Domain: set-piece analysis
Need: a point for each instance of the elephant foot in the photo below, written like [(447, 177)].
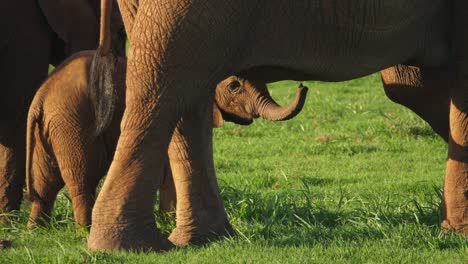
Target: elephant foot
[(8, 212), (34, 223), (82, 207), (448, 227), (455, 199), (39, 215), (113, 237), (4, 220), (189, 235)]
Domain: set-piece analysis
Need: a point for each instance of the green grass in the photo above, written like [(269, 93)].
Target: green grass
[(354, 178)]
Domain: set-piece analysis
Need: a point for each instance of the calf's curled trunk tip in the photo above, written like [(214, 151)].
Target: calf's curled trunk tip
[(273, 112)]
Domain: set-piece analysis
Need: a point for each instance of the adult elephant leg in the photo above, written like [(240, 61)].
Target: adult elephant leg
[(200, 211), (11, 179), (455, 196), (425, 91), (167, 196), (128, 10), (22, 69), (455, 199), (12, 161), (123, 216)]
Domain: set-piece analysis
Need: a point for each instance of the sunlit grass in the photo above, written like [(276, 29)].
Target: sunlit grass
[(354, 178)]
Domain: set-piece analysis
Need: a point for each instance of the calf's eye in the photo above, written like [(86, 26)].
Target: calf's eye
[(234, 85)]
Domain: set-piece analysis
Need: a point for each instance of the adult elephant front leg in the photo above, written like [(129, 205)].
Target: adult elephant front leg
[(200, 211), (123, 216), (455, 194), (455, 199)]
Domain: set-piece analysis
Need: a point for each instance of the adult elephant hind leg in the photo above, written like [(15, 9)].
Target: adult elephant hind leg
[(200, 211)]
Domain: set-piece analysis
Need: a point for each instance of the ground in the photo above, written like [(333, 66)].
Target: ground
[(353, 178)]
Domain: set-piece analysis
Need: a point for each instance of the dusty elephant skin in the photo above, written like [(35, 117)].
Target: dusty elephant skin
[(181, 48), (36, 34)]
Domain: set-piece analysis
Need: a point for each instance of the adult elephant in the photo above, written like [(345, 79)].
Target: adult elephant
[(34, 35), (182, 48)]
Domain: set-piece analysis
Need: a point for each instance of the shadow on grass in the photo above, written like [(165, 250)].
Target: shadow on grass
[(318, 181), (422, 132), (299, 219)]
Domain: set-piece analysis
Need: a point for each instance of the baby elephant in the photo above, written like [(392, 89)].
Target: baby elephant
[(64, 148)]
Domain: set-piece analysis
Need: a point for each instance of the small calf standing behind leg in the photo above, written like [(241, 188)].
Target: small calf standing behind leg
[(62, 145)]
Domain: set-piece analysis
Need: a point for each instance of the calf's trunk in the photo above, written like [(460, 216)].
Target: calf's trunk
[(270, 110)]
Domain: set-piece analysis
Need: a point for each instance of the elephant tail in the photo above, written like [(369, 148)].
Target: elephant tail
[(101, 82), (34, 115), (105, 30)]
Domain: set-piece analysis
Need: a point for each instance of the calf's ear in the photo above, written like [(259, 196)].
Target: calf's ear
[(218, 120)]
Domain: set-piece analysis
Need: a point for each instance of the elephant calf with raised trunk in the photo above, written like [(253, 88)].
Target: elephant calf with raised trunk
[(63, 146)]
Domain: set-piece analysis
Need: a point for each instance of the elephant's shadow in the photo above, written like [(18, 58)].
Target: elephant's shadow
[(301, 218)]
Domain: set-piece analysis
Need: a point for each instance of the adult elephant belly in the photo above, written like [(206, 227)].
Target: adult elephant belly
[(341, 40)]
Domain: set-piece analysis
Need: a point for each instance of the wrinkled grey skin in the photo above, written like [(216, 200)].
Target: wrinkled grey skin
[(201, 42)]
